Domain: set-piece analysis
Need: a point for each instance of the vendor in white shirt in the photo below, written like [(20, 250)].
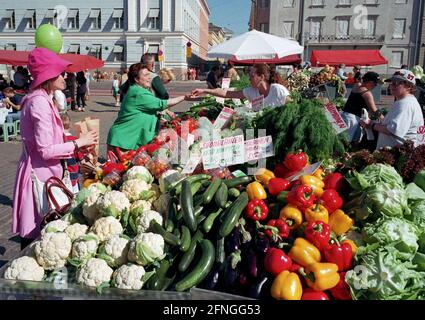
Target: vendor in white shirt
[(262, 84), (405, 116)]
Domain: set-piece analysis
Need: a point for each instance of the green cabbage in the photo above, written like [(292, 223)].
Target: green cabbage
[(373, 174)]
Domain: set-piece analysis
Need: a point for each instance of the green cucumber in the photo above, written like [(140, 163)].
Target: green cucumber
[(188, 256), (209, 221), (186, 203), (198, 210), (233, 214), (212, 189), (202, 268), (185, 238), (220, 254), (169, 238), (234, 193), (170, 225), (195, 187), (221, 196), (191, 179), (156, 281), (241, 181), (198, 200)]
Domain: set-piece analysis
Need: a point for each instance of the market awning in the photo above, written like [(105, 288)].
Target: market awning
[(50, 14), (74, 48), (29, 14), (8, 15), (117, 13), (94, 13), (153, 13), (72, 13), (320, 58), (118, 49), (292, 59)]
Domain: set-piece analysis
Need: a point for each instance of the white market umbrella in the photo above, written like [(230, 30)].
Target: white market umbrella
[(255, 45)]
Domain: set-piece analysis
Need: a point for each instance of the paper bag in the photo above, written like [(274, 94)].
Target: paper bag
[(89, 124)]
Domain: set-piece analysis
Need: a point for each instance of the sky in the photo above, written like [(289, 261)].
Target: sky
[(232, 14)]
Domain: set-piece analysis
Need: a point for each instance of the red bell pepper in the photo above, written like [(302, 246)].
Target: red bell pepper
[(277, 229), (257, 210), (277, 261), (152, 147), (278, 185), (334, 181), (111, 166), (310, 294), (331, 200), (318, 233), (296, 161), (341, 291), (339, 254), (301, 196), (280, 170)]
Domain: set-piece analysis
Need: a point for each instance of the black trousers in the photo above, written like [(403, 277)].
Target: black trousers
[(81, 99), (25, 242)]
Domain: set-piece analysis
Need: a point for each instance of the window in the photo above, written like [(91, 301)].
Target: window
[(96, 23), (118, 53), (74, 48), (30, 16), (317, 3), (50, 16), (264, 3), (73, 19), (370, 31), (399, 28), (370, 2), (400, 1), (11, 46), (288, 3), (118, 17), (264, 27), (96, 51), (288, 29), (342, 28), (397, 59), (153, 19), (344, 2), (10, 20), (315, 28)]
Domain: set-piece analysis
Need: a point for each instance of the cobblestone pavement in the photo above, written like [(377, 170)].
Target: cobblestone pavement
[(100, 106)]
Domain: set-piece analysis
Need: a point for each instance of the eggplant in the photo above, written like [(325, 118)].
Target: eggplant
[(251, 265), (211, 281), (261, 288), (231, 270), (262, 243), (233, 242)]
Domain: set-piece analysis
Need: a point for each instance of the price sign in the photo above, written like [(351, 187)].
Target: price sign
[(335, 118), (223, 153), (260, 148), (191, 165), (421, 135), (225, 84), (258, 103), (224, 118)]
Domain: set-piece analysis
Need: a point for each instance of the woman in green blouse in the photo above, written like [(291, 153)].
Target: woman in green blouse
[(137, 122)]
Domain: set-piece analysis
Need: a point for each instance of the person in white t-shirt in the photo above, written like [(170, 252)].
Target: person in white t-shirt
[(405, 117), (262, 84), (60, 100)]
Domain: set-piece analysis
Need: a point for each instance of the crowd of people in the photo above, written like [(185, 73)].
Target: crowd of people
[(141, 96)]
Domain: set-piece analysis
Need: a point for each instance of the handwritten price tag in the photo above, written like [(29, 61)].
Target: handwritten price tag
[(335, 118)]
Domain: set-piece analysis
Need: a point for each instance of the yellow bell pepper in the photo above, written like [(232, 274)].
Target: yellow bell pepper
[(315, 183), (317, 212), (287, 286), (88, 182), (264, 176), (256, 191), (319, 173), (304, 253), (322, 276), (340, 222), (352, 244), (292, 215)]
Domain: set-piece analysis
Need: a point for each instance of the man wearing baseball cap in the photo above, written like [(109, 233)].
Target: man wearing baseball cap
[(405, 116)]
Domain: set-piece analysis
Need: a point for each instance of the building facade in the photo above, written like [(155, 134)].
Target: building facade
[(392, 26), (116, 31)]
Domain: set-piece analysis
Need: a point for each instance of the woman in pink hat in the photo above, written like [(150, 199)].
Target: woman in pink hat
[(43, 140)]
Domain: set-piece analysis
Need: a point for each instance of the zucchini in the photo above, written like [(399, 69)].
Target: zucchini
[(209, 221), (185, 238), (233, 214), (156, 281), (169, 238), (201, 218), (191, 179), (234, 193), (188, 256), (195, 187), (170, 225), (198, 210), (241, 181), (186, 203), (220, 254), (198, 200), (221, 196), (211, 190), (202, 268)]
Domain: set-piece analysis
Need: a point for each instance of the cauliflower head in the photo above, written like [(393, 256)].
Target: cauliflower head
[(139, 206), (106, 228), (52, 250), (24, 268), (90, 210), (138, 172), (113, 203), (114, 251), (55, 226), (146, 248), (129, 277), (136, 189), (76, 230), (84, 248), (156, 194), (94, 272), (143, 221)]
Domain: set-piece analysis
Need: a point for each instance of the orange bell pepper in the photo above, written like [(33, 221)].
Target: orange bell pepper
[(287, 286), (256, 191), (304, 253), (322, 276), (340, 222), (264, 176), (292, 215)]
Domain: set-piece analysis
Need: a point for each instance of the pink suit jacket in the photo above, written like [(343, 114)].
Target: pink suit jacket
[(43, 140)]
